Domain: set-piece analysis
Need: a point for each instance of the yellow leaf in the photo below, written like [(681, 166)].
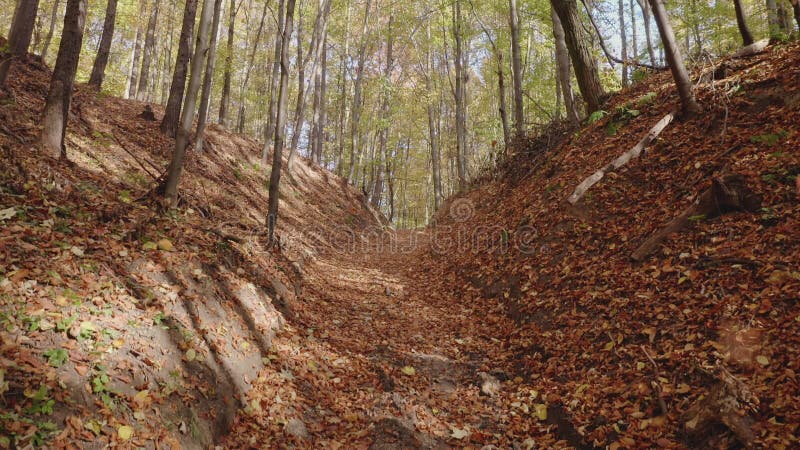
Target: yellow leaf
[(125, 432), (408, 370), (541, 411), (763, 360), (191, 354), (165, 245)]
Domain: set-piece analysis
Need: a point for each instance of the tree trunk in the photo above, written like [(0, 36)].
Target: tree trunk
[(501, 93), (461, 114), (142, 92), (796, 9), (133, 80), (274, 81), (280, 124), (564, 75), (377, 191), (172, 112), (580, 52), (623, 42), (19, 38), (56, 110), (49, 37), (249, 68), (225, 100), (343, 97), (516, 68), (634, 37), (100, 62), (356, 110), (679, 73), (189, 105), (319, 114), (741, 22), (772, 19), (645, 7), (205, 97)]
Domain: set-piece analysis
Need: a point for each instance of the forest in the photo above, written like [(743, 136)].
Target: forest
[(379, 224)]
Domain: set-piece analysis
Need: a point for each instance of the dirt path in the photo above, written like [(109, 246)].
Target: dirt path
[(377, 357)]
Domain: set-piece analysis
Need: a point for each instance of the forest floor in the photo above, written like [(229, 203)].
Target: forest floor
[(516, 321)]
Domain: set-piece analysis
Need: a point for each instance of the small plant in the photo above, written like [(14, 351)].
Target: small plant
[(646, 99), (56, 357), (770, 139), (595, 116), (42, 403)]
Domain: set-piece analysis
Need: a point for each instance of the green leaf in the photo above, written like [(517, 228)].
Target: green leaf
[(56, 357), (597, 115)]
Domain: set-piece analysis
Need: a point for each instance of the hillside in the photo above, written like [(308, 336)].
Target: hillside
[(517, 321)]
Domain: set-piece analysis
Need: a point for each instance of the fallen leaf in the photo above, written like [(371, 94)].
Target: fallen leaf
[(125, 432), (458, 433), (408, 370)]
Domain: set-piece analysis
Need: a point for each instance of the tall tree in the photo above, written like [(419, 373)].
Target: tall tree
[(19, 38), (280, 124), (49, 37), (189, 104), (355, 119), (645, 7), (100, 62), (172, 112), (741, 22), (248, 69), (796, 9), (133, 79), (342, 125), (205, 97), (274, 81), (460, 95), (377, 190), (225, 100), (580, 52), (516, 68), (143, 92), (623, 43), (59, 96), (674, 58), (563, 69), (316, 138)]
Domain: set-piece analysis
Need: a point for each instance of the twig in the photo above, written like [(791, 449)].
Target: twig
[(654, 382), (122, 146)]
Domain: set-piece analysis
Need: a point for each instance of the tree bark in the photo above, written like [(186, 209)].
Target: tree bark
[(49, 37), (280, 124), (19, 37), (564, 75), (459, 94), (501, 93), (189, 105), (143, 93), (623, 42), (582, 60), (676, 65), (741, 22), (318, 127), (225, 100), (56, 110), (274, 81), (249, 68), (172, 112), (645, 7), (205, 97), (342, 126), (377, 191), (516, 68), (355, 118), (100, 62), (133, 80)]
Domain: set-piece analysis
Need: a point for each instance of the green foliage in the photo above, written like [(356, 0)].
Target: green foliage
[(770, 139), (646, 99), (596, 116), (56, 357)]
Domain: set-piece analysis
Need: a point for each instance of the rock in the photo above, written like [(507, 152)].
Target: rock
[(296, 428), (489, 385)]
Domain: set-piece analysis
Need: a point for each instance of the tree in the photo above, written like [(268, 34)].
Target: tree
[(563, 70), (516, 68), (377, 190), (133, 78), (205, 97), (747, 38), (59, 96), (582, 60), (645, 7), (674, 58), (225, 100), (142, 92), (19, 38), (172, 112), (49, 37), (274, 80), (460, 95), (100, 62), (248, 69), (280, 125), (796, 9), (357, 101), (623, 42), (189, 105)]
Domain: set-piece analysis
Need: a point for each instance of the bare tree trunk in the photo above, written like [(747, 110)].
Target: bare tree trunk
[(205, 97), (274, 82), (100, 62), (133, 80), (143, 93), (564, 75), (280, 124), (796, 9), (318, 125), (647, 34), (623, 42), (249, 68), (772, 19), (49, 37), (377, 191), (225, 100), (501, 93), (676, 65), (741, 22), (516, 69), (582, 59), (634, 37), (356, 111), (461, 114), (19, 38), (343, 97), (172, 112), (56, 109), (189, 105)]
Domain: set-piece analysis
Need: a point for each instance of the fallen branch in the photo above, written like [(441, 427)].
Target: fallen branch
[(654, 382), (752, 49), (623, 159), (727, 193)]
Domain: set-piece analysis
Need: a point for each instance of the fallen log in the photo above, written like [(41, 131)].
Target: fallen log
[(621, 160), (752, 49), (726, 404), (727, 193)]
